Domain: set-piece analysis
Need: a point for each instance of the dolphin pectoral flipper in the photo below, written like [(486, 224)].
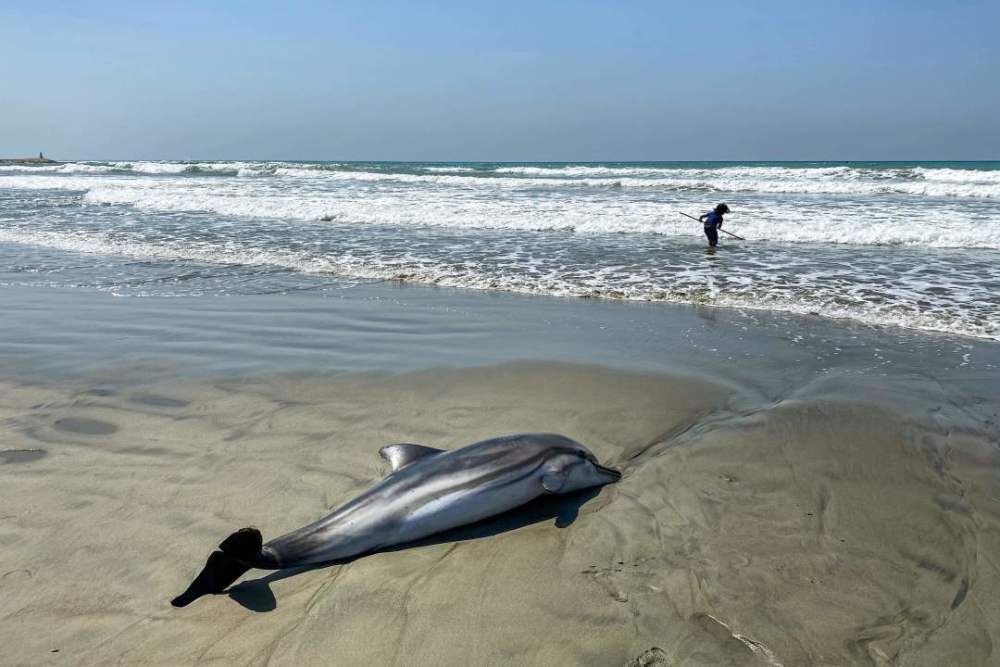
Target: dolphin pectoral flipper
[(237, 554), (401, 455), (552, 481)]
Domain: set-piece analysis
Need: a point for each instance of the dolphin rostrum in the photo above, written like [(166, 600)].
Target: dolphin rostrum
[(428, 491)]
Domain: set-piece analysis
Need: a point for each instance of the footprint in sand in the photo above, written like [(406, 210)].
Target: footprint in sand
[(21, 455), (85, 426), (158, 401)]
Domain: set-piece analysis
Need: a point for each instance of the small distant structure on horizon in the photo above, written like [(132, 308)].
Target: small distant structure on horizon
[(41, 159)]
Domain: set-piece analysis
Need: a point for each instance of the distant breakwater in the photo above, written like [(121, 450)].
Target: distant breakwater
[(16, 161)]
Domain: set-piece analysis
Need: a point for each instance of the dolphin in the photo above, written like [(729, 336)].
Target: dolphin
[(428, 491)]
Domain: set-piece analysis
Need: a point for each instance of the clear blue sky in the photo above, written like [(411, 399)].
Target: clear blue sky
[(501, 81)]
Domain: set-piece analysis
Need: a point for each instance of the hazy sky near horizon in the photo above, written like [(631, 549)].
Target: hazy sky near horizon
[(501, 81)]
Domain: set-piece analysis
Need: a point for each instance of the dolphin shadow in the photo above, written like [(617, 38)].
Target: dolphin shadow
[(256, 594)]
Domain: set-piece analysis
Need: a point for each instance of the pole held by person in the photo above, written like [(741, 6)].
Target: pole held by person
[(713, 224)]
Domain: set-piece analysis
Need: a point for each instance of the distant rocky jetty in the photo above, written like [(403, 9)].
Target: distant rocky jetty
[(41, 159)]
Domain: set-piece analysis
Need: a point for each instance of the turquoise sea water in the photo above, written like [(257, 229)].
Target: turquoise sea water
[(911, 244)]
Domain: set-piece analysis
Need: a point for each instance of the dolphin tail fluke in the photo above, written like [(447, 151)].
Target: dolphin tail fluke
[(238, 553)]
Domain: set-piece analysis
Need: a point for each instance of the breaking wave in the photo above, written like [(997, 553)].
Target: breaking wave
[(909, 245), (916, 181)]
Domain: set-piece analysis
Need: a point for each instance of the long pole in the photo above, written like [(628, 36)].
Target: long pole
[(720, 228)]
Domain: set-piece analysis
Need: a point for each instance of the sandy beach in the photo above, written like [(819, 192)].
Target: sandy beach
[(510, 335), (833, 512)]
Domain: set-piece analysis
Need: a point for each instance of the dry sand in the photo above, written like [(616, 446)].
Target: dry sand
[(812, 531)]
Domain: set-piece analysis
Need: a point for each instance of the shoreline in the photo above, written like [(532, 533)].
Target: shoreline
[(56, 321)]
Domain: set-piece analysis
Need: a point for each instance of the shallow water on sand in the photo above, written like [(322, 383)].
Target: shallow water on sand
[(60, 333)]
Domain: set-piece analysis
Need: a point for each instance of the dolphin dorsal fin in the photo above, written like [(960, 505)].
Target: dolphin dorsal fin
[(401, 455)]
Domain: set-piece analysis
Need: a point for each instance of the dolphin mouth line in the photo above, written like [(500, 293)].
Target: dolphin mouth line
[(611, 472)]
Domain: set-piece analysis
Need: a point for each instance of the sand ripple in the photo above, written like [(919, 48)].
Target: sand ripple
[(809, 531)]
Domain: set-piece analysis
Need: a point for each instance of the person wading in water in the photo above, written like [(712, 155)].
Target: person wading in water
[(713, 223)]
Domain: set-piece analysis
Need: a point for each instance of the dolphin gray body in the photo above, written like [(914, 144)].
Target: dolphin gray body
[(428, 491)]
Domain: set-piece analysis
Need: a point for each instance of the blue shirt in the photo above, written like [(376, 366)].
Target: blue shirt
[(712, 220)]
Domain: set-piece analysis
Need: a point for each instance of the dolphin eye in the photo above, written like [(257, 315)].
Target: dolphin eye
[(581, 454)]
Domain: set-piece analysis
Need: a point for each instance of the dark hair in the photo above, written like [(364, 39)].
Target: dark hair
[(722, 208)]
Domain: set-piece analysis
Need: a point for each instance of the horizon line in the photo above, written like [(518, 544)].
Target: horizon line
[(445, 161)]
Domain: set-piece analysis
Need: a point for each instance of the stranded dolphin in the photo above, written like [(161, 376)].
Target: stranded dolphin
[(428, 491)]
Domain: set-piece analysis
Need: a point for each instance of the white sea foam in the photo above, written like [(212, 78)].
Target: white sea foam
[(829, 180), (875, 222), (963, 176), (583, 170), (139, 167), (449, 170), (68, 168), (948, 304), (194, 168), (593, 230), (782, 223), (103, 244)]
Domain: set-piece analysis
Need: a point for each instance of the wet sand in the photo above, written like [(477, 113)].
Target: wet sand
[(807, 531), (795, 491)]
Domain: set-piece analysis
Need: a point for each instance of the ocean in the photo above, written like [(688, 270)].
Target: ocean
[(191, 347), (914, 245)]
